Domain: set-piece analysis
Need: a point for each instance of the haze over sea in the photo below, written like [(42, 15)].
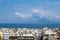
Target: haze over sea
[(29, 25)]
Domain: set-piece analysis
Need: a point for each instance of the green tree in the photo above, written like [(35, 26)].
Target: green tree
[(58, 32)]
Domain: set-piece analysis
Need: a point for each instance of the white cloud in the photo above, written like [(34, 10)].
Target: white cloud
[(35, 10), (46, 14), (40, 13), (23, 15), (57, 16)]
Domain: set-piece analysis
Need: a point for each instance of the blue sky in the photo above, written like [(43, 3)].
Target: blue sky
[(30, 11)]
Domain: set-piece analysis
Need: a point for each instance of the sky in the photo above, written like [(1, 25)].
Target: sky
[(30, 11)]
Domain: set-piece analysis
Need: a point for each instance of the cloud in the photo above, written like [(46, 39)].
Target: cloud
[(23, 15), (46, 12), (35, 10), (40, 13), (49, 15)]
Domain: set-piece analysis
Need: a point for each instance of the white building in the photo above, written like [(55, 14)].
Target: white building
[(26, 37), (50, 34)]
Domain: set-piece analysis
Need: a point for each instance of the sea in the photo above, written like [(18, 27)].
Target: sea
[(29, 25)]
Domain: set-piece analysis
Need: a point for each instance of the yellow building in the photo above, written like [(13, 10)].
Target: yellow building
[(1, 36)]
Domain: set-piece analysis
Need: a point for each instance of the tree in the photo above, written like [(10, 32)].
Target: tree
[(46, 39), (58, 32)]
